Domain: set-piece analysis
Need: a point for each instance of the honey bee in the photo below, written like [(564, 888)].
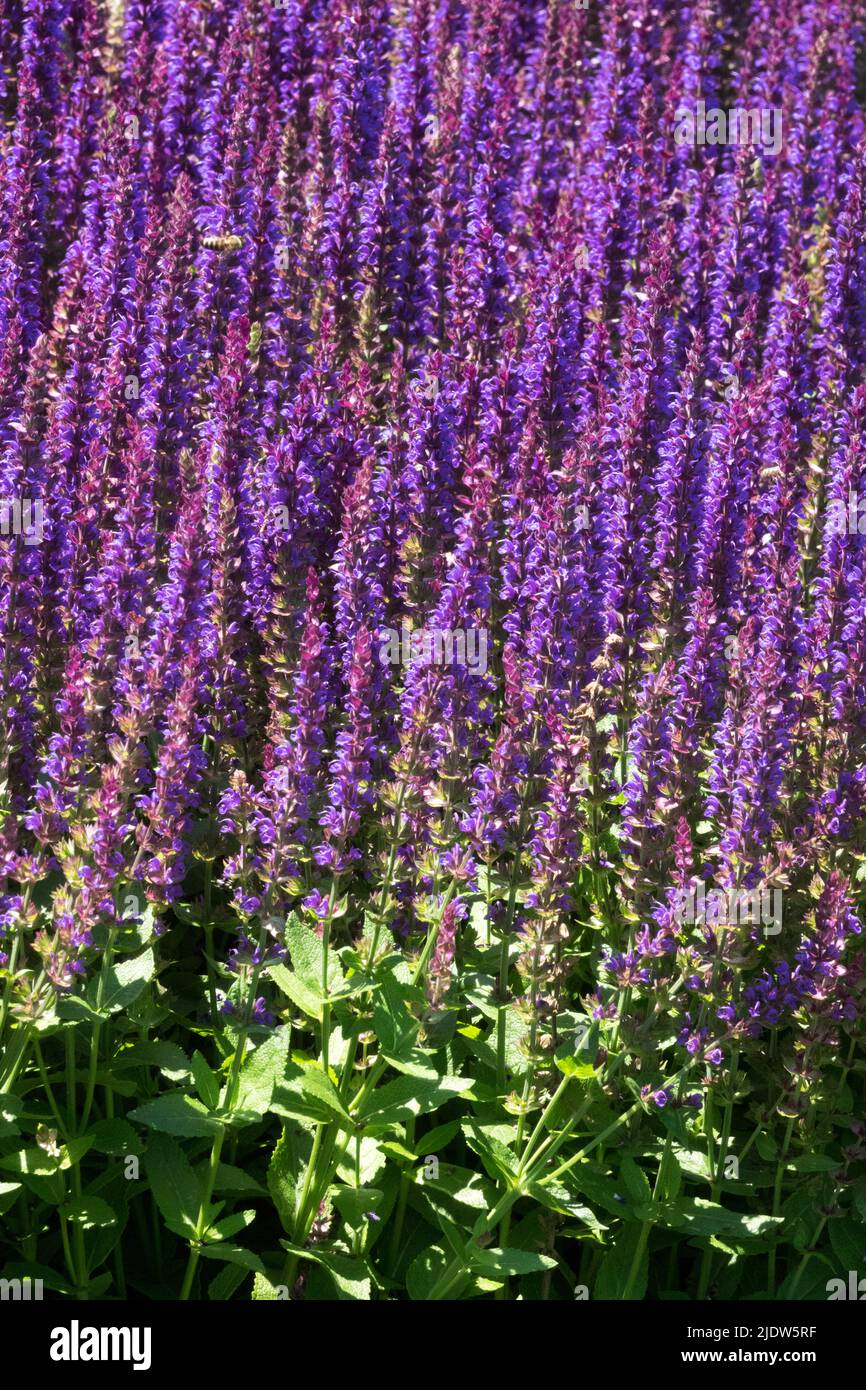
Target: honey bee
[(222, 243), (47, 1140)]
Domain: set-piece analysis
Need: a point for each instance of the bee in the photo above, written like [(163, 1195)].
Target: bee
[(222, 243), (47, 1140)]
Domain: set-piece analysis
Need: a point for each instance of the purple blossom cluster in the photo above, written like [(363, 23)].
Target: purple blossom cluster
[(321, 319)]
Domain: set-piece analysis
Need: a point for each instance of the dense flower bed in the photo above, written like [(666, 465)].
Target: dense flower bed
[(433, 648)]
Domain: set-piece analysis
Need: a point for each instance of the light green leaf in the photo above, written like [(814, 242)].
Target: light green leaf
[(263, 1071), (166, 1056), (283, 1176), (206, 1083), (348, 1273), (175, 1187), (635, 1181), (426, 1270), (122, 984), (498, 1159), (307, 951), (232, 1179), (701, 1217), (231, 1225), (233, 1254), (496, 1261), (266, 1292), (176, 1113), (392, 1023), (407, 1095), (307, 998), (320, 1090), (353, 1203)]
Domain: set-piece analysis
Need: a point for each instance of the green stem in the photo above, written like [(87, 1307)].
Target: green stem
[(717, 1170), (17, 1052), (326, 1005), (646, 1227), (97, 1029), (46, 1085), (544, 1120), (70, 1080), (67, 1252), (201, 1221), (314, 1183), (798, 1273), (209, 941), (78, 1238), (777, 1203), (402, 1197), (203, 1217)]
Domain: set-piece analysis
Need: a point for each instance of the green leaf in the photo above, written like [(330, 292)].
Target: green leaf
[(578, 1059), (349, 1274), (89, 1212), (166, 1056), (136, 933), (266, 1292), (307, 999), (497, 1158), (176, 1113), (393, 1149), (122, 983), (73, 1151), (814, 1163), (115, 1137), (767, 1147), (624, 1270), (232, 1179), (283, 1177), (307, 952), (601, 1189), (426, 1270), (354, 1203), (436, 1138), (320, 1091), (578, 1071), (516, 1061), (33, 1160), (58, 1283), (501, 1262), (231, 1225), (263, 1071), (393, 1025), (456, 1194), (206, 1083), (635, 1181), (408, 1095), (704, 1218), (809, 1283), (8, 1195), (557, 1197), (233, 1254), (227, 1282), (670, 1178), (9, 1108), (848, 1239), (74, 1008), (175, 1187)]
